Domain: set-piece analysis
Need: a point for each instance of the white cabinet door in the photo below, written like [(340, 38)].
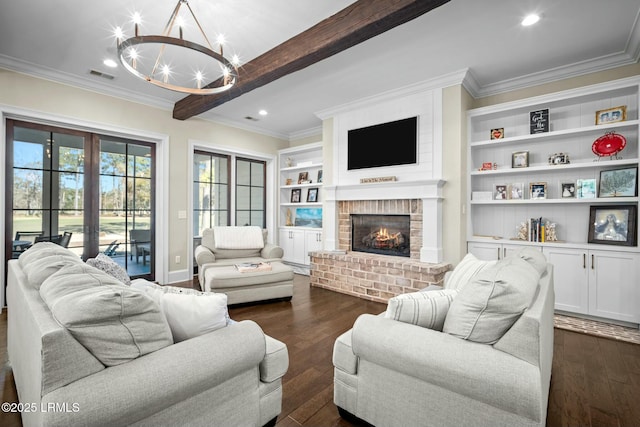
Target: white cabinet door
[(292, 243), (485, 251), (313, 240), (570, 279), (613, 280)]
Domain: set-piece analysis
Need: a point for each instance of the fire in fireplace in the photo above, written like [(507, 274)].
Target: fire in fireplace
[(381, 234)]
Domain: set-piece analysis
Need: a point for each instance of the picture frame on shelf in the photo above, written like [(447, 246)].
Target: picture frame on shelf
[(319, 180), (295, 195), (537, 190), (559, 159), (520, 159), (497, 133), (618, 182), (288, 181), (303, 177), (611, 115), (500, 192), (539, 121), (613, 225), (312, 195), (515, 191), (308, 217), (586, 188), (568, 190)]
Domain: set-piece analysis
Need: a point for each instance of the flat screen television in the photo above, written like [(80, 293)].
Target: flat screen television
[(386, 144)]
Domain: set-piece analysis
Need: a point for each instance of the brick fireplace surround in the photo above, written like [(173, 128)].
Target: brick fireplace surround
[(370, 276)]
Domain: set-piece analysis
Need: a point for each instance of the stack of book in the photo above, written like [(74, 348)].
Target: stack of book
[(536, 230), (246, 267)]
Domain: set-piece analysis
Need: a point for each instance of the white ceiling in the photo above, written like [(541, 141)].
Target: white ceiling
[(64, 40)]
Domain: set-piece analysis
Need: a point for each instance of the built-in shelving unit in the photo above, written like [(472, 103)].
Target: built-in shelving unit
[(493, 223), (299, 202)]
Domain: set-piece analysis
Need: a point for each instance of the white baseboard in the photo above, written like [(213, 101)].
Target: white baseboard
[(178, 276)]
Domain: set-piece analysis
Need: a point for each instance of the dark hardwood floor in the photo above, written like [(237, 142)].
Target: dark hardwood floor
[(595, 381)]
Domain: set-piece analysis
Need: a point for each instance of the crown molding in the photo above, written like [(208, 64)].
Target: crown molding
[(306, 133)]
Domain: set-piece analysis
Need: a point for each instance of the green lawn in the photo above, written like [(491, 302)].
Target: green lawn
[(108, 224)]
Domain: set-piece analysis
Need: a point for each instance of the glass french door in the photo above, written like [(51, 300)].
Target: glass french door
[(87, 192)]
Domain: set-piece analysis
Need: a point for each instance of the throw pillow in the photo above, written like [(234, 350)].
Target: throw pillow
[(493, 301), (190, 313), (466, 269), (114, 322), (109, 266), (426, 309), (534, 257), (39, 269)]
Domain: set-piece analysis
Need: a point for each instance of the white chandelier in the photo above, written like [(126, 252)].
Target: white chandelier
[(175, 63)]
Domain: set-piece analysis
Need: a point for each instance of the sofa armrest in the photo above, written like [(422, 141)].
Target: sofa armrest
[(204, 255), (271, 251), (478, 371), (343, 357), (158, 380), (276, 360)]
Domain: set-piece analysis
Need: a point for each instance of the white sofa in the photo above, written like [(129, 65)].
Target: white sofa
[(393, 373), (231, 376)]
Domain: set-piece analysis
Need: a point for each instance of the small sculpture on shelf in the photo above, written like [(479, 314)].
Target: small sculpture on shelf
[(289, 162), (550, 232), (289, 223), (523, 231)]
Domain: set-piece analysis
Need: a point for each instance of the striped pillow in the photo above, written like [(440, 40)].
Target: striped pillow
[(426, 309), (466, 270)]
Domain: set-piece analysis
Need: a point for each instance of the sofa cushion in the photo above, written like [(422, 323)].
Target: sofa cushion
[(534, 257), (427, 309), (190, 313), (109, 266), (466, 269), (114, 322), (48, 263), (39, 250), (492, 302)]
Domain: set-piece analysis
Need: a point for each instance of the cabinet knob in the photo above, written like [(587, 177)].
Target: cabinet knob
[(584, 260), (593, 267)]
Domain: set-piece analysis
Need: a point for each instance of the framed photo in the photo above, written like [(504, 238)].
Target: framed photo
[(303, 177), (539, 121), (515, 191), (537, 190), (567, 190), (295, 195), (312, 195), (619, 183), (308, 217), (497, 133), (613, 225), (559, 159), (520, 159), (319, 180), (500, 192), (611, 115), (586, 189)]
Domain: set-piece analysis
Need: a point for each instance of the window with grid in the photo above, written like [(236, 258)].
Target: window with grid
[(250, 192), (211, 191)]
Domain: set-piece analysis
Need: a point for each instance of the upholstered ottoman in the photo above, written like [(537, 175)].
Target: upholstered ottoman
[(250, 286)]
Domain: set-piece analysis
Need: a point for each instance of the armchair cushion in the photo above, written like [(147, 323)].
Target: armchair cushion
[(466, 269), (427, 309), (247, 237), (493, 301)]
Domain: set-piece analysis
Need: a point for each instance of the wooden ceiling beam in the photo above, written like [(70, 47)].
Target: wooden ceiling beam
[(354, 24)]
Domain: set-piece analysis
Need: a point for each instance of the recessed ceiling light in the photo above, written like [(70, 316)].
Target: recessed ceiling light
[(530, 20), (110, 63), (263, 112)]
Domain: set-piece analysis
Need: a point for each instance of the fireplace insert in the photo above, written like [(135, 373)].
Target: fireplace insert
[(381, 234)]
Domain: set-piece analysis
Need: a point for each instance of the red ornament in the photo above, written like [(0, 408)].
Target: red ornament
[(609, 144)]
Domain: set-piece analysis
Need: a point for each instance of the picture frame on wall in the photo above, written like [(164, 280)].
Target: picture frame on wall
[(537, 190), (611, 115), (568, 190), (618, 182), (312, 195), (520, 159), (586, 188), (295, 195), (613, 225)]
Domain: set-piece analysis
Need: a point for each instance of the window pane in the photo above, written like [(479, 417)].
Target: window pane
[(220, 199), (112, 193), (27, 189), (243, 218), (243, 198), (202, 168), (257, 198), (243, 173), (70, 152), (221, 168), (257, 218), (29, 148), (112, 158), (203, 199), (71, 190), (220, 218), (257, 174)]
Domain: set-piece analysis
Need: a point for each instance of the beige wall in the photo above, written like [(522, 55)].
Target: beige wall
[(74, 105)]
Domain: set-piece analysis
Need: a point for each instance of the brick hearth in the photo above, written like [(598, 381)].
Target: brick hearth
[(373, 277)]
